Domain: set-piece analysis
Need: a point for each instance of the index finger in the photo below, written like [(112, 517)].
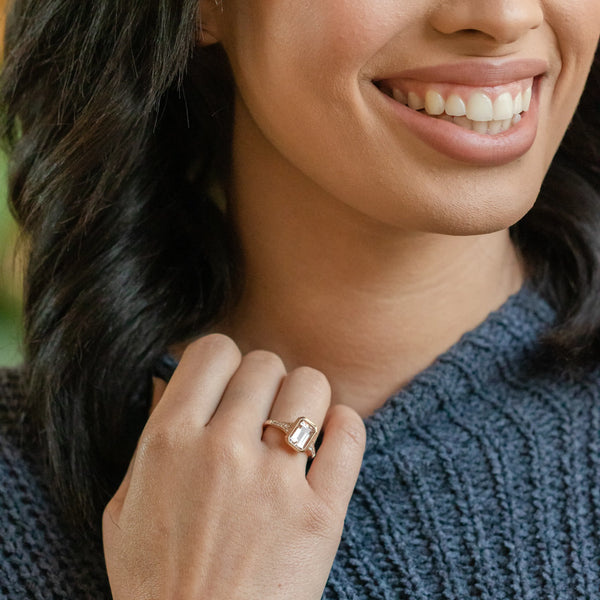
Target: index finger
[(199, 381)]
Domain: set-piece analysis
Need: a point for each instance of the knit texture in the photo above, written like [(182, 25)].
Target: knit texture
[(40, 558), (481, 479)]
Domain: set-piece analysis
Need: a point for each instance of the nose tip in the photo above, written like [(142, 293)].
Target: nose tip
[(501, 21)]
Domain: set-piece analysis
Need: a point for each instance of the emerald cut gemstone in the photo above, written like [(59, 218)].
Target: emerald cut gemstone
[(302, 434)]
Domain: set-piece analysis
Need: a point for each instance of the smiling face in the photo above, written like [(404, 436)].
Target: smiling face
[(429, 115)]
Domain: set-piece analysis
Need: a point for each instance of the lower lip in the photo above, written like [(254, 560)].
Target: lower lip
[(468, 146)]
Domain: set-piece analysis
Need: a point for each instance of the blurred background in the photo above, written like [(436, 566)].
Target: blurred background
[(10, 296), (10, 300)]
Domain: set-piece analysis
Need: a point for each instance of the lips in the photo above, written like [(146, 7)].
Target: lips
[(478, 111)]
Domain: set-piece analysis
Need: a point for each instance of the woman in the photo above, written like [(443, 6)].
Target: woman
[(309, 205)]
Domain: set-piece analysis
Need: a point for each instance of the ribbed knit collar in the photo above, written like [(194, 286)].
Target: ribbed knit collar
[(508, 335)]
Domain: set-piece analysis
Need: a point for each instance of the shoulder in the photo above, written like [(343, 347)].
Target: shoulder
[(39, 556)]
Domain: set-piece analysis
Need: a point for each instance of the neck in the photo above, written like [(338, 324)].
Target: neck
[(367, 305)]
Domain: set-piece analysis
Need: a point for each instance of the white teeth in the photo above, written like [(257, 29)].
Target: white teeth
[(503, 107), (518, 107), (415, 101), (480, 126), (479, 114), (399, 96), (463, 122), (494, 127), (527, 99), (480, 108), (434, 103), (455, 106)]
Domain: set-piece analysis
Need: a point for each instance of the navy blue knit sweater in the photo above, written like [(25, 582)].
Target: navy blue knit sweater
[(481, 479)]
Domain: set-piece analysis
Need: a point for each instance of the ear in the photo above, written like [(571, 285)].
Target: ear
[(209, 22)]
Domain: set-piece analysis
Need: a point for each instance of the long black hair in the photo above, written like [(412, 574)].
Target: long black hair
[(118, 129)]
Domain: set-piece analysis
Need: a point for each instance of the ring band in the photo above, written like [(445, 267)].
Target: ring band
[(300, 435)]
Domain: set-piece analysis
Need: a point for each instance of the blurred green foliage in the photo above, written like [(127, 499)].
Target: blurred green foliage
[(10, 301)]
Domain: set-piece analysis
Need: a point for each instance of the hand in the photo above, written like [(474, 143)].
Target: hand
[(214, 507)]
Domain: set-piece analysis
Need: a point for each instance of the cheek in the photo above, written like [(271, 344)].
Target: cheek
[(298, 64), (576, 24), (576, 27), (312, 39), (346, 34)]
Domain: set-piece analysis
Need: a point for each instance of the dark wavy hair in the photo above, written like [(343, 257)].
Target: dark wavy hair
[(118, 128)]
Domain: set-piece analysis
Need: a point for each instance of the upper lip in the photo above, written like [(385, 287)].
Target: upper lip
[(476, 72)]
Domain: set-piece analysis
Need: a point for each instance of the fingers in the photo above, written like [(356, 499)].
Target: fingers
[(249, 396), (305, 392), (199, 381), (334, 471), (200, 503), (215, 386)]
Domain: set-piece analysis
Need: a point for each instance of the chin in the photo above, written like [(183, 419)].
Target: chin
[(479, 218)]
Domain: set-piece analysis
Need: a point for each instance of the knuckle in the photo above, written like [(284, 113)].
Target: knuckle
[(228, 453), (273, 489), (162, 439), (279, 477), (278, 489), (269, 360), (355, 434), (318, 519), (314, 381)]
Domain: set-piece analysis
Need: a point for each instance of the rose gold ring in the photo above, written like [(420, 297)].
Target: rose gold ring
[(300, 435)]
